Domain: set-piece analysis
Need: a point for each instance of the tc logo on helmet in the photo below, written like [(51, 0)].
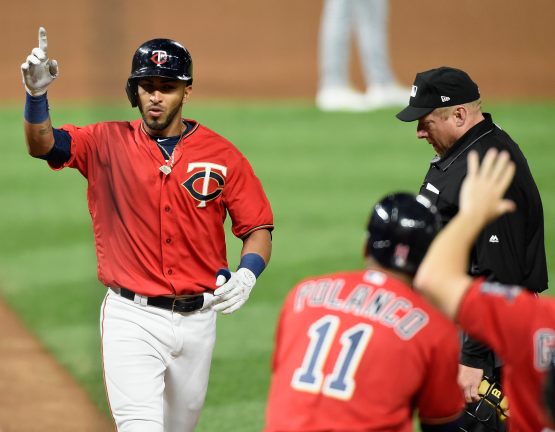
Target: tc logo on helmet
[(159, 57)]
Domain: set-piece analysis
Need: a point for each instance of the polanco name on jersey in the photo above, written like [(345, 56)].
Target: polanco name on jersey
[(377, 304)]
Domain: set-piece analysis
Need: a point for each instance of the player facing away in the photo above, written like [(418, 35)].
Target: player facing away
[(361, 351), (159, 189), (517, 324)]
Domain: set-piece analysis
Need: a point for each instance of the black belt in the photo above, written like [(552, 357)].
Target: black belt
[(186, 304)]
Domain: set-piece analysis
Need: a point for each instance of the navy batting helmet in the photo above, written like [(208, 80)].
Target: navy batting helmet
[(159, 58), (400, 229)]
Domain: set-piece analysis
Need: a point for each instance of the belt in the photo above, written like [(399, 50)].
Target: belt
[(186, 304)]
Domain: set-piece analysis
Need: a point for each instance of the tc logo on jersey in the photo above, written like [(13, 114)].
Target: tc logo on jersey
[(159, 57), (207, 184)]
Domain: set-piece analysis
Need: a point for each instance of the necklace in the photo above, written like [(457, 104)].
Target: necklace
[(167, 168)]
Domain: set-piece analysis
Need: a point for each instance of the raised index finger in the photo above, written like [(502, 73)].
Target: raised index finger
[(43, 44)]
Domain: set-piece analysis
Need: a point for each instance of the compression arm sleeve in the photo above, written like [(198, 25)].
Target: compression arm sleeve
[(61, 152)]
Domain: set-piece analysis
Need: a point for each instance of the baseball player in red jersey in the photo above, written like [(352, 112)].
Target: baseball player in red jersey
[(361, 351), (159, 190), (519, 326)]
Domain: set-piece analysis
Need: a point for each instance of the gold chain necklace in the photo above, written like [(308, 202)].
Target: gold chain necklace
[(167, 168)]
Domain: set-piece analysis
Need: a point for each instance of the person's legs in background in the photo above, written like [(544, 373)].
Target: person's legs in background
[(336, 28), (371, 27)]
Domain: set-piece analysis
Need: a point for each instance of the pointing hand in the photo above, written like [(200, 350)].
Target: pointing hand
[(38, 71)]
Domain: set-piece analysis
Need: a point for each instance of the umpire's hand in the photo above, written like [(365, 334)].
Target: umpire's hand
[(469, 381), (39, 71)]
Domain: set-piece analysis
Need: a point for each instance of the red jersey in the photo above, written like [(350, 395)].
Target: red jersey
[(520, 328), (159, 234), (360, 351)]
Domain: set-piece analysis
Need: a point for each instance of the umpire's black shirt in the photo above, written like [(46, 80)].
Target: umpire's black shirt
[(510, 249)]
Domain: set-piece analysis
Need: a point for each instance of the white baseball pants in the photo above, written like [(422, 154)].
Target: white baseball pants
[(156, 364), (341, 20)]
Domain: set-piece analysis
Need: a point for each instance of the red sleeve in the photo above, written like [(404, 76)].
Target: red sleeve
[(246, 201), (441, 400), (496, 314)]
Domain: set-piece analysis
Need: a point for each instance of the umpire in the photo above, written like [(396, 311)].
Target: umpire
[(446, 103)]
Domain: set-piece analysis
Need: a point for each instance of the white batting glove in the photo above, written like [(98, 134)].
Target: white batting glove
[(233, 294), (38, 71)]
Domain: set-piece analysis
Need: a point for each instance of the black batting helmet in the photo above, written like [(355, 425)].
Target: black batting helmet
[(400, 229), (159, 58)]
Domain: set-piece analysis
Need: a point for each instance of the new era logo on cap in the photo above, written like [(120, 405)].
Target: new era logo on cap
[(436, 88)]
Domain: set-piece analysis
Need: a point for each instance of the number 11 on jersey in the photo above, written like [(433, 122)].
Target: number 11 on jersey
[(340, 384)]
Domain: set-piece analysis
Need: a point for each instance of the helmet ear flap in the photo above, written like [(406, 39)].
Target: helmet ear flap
[(132, 92)]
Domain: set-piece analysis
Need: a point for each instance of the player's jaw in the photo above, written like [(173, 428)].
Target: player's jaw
[(160, 103), (158, 118)]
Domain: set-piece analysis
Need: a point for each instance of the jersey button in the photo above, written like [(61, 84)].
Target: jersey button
[(170, 271), (168, 240), (167, 209)]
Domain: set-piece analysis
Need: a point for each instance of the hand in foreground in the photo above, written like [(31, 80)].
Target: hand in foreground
[(37, 70), (469, 380), (483, 188), (233, 291)]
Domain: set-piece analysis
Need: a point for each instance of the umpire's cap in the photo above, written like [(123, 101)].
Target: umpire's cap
[(400, 229), (437, 88), (159, 58)]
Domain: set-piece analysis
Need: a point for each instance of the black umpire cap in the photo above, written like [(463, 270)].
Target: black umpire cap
[(436, 88)]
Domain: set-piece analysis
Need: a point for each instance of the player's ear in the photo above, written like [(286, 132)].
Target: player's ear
[(187, 93)]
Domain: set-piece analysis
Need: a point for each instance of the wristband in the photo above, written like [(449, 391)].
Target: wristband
[(36, 108), (254, 262)]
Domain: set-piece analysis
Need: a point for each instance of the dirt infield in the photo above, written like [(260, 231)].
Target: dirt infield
[(37, 394)]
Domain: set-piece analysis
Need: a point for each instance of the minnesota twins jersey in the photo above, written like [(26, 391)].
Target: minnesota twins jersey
[(158, 225), (361, 351), (520, 327)]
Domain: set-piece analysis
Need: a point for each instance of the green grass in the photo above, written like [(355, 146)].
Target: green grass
[(322, 172)]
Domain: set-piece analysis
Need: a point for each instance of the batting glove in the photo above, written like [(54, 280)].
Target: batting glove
[(38, 71), (233, 294)]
